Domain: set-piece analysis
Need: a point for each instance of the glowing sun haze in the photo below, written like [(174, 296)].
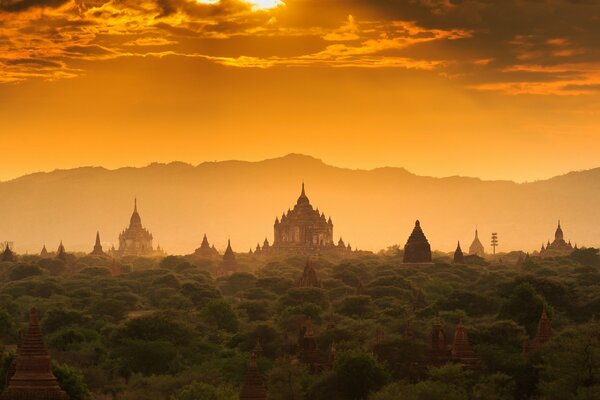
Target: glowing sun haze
[(490, 89)]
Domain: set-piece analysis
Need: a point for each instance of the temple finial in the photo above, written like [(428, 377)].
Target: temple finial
[(303, 193), (135, 204)]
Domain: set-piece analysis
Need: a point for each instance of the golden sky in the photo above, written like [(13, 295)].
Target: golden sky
[(507, 89)]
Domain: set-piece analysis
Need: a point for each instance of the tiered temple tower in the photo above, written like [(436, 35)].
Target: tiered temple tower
[(303, 230), (308, 351), (229, 263), (461, 348), (559, 247), (476, 247), (543, 335), (254, 386), (309, 277), (33, 378), (8, 255), (98, 247), (205, 250), (417, 248), (61, 253), (135, 239), (439, 353), (459, 257)]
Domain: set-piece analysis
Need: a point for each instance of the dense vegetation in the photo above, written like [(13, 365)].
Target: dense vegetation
[(167, 329)]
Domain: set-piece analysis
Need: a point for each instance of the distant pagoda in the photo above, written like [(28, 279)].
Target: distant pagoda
[(476, 247), (33, 378), (439, 353), (459, 257), (461, 348), (229, 262), (205, 250), (61, 253), (559, 247), (254, 386), (543, 334), (309, 277), (136, 240), (308, 351), (302, 230), (98, 247), (417, 248), (8, 255), (44, 253)]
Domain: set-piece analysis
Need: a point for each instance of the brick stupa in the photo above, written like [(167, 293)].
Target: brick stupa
[(462, 352), (309, 277), (254, 386), (417, 249), (33, 378)]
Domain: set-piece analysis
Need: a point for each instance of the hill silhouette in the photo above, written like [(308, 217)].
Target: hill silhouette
[(371, 209)]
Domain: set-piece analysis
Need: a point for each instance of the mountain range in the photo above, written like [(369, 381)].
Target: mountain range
[(371, 209)]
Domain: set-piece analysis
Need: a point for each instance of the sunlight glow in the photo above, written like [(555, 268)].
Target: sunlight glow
[(255, 4)]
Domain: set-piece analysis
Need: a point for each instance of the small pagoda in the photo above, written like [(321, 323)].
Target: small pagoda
[(308, 351), (98, 247), (476, 247), (309, 277), (543, 334), (462, 352), (8, 255), (229, 263), (205, 250), (33, 378), (459, 257), (254, 386), (439, 353), (417, 249), (61, 253)]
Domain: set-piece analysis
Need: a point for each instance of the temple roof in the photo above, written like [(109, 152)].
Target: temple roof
[(308, 277), (303, 199), (135, 221), (253, 387), (33, 378), (417, 248)]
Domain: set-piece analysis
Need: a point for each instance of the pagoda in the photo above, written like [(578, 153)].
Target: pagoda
[(61, 254), (254, 386), (33, 378), (44, 252), (303, 230), (229, 263), (308, 352), (461, 348), (417, 248), (97, 247), (543, 334), (476, 247), (309, 277), (459, 257), (559, 247), (205, 250), (135, 240), (8, 255), (438, 351)]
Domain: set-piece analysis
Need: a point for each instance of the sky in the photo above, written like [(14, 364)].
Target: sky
[(492, 89)]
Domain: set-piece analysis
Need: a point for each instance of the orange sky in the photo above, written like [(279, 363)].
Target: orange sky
[(508, 90)]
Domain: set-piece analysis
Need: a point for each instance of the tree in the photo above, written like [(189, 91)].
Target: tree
[(523, 306), (498, 386), (204, 391), (220, 314), (71, 381), (358, 373)]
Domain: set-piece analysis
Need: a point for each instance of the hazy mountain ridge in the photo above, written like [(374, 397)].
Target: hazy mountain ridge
[(239, 199)]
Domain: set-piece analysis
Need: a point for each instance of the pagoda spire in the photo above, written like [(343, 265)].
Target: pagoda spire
[(33, 378), (254, 386)]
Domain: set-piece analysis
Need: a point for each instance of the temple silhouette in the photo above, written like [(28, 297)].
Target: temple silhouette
[(302, 230), (417, 249), (476, 247), (558, 247), (135, 240)]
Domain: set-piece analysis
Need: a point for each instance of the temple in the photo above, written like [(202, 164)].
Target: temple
[(97, 247), (462, 352), (459, 257), (309, 277), (308, 351), (417, 248), (543, 334), (205, 249), (136, 240), (254, 386), (33, 378), (8, 255), (44, 252), (476, 247), (302, 230), (559, 247), (229, 263), (439, 353), (61, 253)]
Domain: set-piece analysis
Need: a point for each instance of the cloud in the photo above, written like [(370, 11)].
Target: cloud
[(13, 6)]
